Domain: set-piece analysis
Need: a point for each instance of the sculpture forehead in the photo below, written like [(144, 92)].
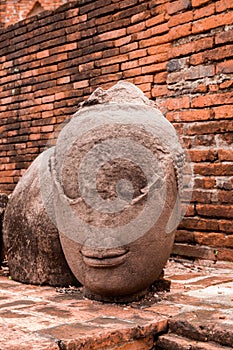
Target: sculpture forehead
[(124, 119)]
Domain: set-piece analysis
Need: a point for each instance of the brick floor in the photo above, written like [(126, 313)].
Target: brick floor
[(199, 306)]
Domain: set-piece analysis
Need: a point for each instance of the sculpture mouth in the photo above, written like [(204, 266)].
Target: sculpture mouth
[(104, 258)]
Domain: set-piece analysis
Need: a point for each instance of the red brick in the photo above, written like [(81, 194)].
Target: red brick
[(226, 196), (225, 154), (73, 36), (211, 127), (180, 31), (226, 84), (157, 40), (211, 55), (112, 60), (129, 47), (72, 13), (63, 80), (218, 169), (123, 41), (225, 67), (212, 22), (225, 226), (223, 5), (127, 3), (6, 179), (197, 3), (223, 112), (153, 50), (112, 34), (132, 72), (201, 196), (136, 28), (225, 254), (47, 114), (205, 182), (160, 78), (140, 16), (153, 31), (192, 251), (213, 210), (189, 115), (9, 166), (212, 239), (204, 11), (153, 59), (202, 155), (213, 87), (178, 103), (105, 79), (184, 236), (153, 68), (110, 69), (203, 140), (146, 88), (129, 65), (137, 54), (34, 137), (155, 20), (159, 9), (197, 223), (86, 67), (159, 90), (212, 99), (7, 64), (195, 46), (180, 19), (42, 54), (179, 5), (63, 48), (49, 98), (143, 79), (47, 128), (8, 173), (224, 37)]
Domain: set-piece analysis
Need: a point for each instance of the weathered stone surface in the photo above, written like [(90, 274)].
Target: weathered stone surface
[(174, 342), (3, 203), (13, 339), (196, 328), (31, 239)]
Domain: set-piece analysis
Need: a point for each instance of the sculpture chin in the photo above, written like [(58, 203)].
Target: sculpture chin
[(104, 258)]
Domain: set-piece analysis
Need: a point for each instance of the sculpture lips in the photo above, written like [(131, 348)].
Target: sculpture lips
[(104, 257)]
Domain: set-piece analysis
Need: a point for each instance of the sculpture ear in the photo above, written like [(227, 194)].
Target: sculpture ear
[(184, 180), (175, 217), (176, 214)]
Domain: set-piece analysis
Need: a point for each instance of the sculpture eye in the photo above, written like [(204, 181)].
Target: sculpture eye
[(120, 178)]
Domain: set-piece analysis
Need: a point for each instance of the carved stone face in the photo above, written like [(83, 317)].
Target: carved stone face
[(116, 194), (120, 273)]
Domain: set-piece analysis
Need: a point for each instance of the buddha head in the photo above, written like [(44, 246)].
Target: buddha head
[(117, 173)]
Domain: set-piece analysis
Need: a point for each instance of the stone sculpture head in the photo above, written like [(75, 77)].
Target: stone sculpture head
[(116, 184)]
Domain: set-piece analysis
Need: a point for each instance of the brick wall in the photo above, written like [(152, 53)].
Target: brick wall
[(177, 52), (12, 11)]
